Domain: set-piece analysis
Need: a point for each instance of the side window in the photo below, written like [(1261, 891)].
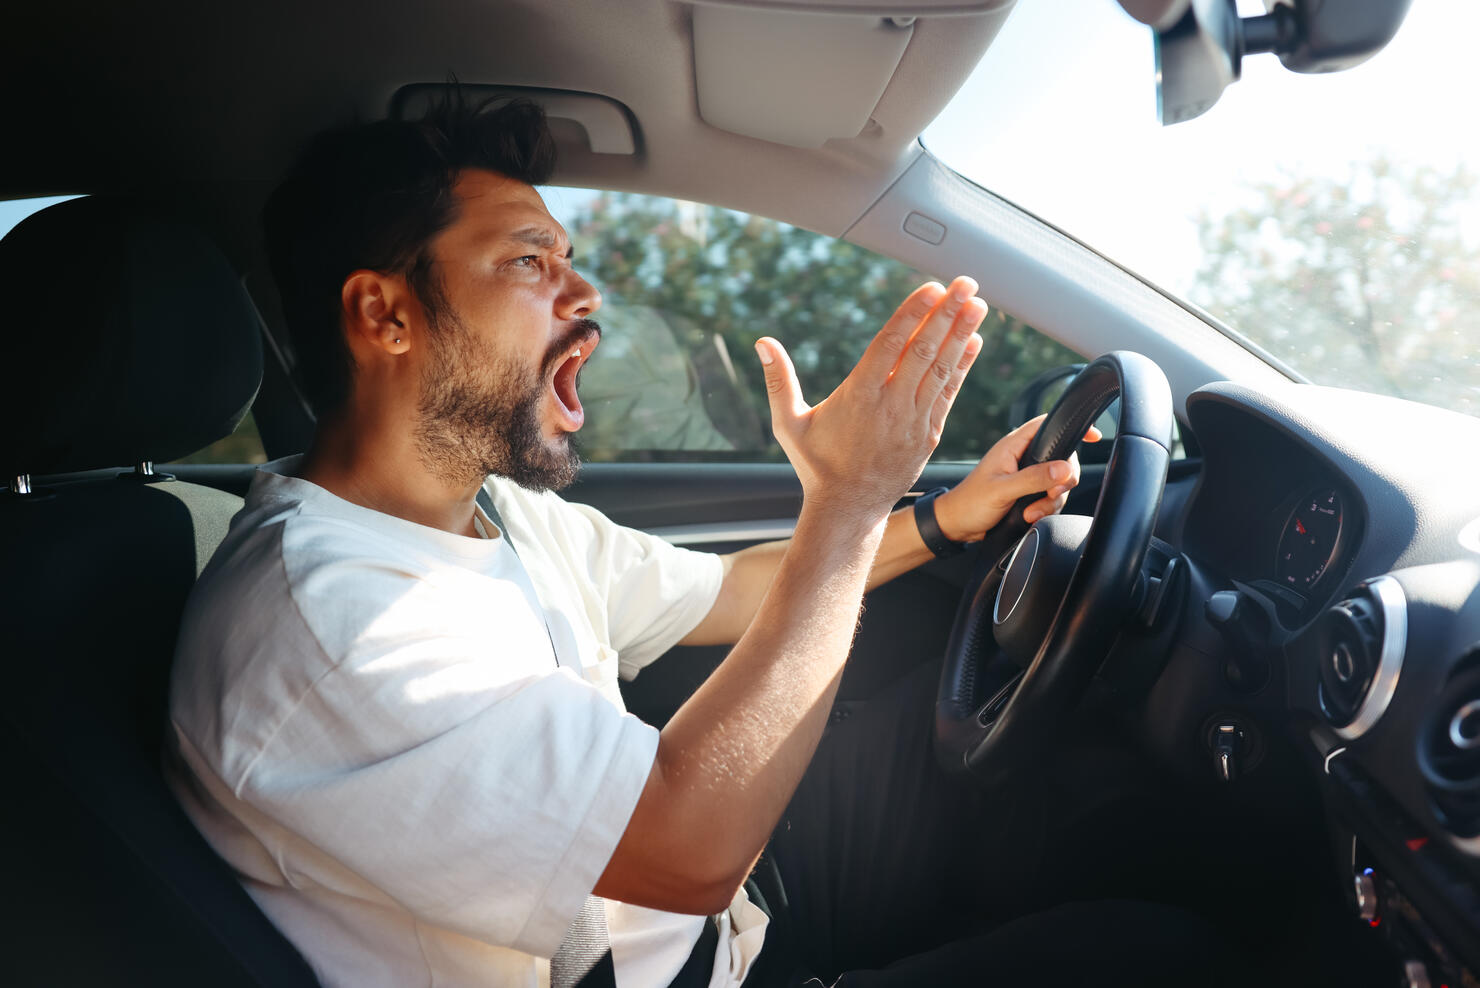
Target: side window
[(242, 446), (689, 288), (12, 211)]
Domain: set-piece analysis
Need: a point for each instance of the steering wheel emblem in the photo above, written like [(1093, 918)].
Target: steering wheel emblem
[(1015, 582)]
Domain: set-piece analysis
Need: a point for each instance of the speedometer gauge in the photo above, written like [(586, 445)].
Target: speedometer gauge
[(1308, 543)]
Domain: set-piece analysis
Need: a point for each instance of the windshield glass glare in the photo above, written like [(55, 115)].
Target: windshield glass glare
[(1334, 220)]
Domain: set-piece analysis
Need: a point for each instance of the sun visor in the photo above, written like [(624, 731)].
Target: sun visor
[(797, 77)]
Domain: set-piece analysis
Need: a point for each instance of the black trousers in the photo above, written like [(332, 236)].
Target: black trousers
[(885, 872)]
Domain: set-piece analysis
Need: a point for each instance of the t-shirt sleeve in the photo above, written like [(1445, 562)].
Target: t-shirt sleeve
[(655, 592), (483, 803)]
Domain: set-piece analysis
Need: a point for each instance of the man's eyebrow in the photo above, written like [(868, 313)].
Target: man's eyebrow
[(538, 236)]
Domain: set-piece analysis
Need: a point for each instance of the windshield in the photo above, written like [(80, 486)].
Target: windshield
[(1331, 219)]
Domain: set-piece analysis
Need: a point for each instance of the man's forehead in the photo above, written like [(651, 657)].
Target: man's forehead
[(493, 205)]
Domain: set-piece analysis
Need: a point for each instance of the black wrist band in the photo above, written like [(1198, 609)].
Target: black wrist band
[(935, 539)]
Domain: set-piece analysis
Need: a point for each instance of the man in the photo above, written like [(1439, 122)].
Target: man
[(396, 712)]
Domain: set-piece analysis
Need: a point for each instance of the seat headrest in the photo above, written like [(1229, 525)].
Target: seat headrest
[(131, 339)]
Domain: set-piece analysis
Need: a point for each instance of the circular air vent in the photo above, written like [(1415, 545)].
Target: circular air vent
[(1449, 750), (1360, 650)]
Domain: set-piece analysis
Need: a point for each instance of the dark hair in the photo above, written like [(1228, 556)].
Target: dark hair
[(373, 196)]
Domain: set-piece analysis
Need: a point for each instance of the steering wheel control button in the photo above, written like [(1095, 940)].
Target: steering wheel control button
[(1364, 887), (1416, 975)]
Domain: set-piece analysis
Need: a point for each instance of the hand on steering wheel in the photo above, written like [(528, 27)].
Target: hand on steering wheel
[(973, 507)]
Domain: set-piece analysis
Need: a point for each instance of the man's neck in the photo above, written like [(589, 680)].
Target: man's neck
[(375, 464)]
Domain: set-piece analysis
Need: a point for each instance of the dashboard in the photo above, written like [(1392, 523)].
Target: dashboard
[(1271, 513), (1333, 544)]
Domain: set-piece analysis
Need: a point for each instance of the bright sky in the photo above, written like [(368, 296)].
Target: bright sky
[(12, 211), (1060, 118)]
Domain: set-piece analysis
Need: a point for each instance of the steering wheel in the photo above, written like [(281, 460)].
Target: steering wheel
[(1053, 595)]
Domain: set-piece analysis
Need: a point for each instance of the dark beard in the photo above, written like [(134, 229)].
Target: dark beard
[(479, 415)]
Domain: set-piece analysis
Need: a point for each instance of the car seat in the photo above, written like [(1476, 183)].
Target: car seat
[(130, 341)]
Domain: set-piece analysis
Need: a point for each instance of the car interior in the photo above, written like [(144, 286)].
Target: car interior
[(1277, 615)]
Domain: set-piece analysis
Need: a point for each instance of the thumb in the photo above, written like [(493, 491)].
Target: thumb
[(783, 390)]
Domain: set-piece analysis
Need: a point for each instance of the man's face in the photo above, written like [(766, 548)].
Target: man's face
[(506, 340)]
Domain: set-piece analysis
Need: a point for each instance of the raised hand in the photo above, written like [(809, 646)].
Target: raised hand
[(864, 444)]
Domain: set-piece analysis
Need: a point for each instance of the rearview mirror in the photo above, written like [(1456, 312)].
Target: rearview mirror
[(1200, 44)]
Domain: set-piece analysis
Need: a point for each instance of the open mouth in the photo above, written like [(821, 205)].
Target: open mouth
[(564, 382)]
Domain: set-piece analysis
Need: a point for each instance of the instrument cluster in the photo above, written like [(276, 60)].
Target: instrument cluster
[(1311, 541)]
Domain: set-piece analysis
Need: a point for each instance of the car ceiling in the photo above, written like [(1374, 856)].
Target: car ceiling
[(164, 96)]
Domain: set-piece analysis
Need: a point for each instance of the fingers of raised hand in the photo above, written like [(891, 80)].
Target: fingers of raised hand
[(947, 396), (883, 354), (937, 343), (946, 364)]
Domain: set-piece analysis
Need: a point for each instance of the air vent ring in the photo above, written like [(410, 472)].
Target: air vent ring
[(1360, 654), (1464, 726), (1449, 750)]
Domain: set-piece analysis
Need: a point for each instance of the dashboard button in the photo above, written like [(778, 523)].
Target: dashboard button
[(1416, 975), (1366, 892)]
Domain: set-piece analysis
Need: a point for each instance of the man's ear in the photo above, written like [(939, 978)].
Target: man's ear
[(374, 309)]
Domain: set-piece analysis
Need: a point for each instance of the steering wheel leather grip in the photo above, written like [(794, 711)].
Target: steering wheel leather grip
[(1023, 714)]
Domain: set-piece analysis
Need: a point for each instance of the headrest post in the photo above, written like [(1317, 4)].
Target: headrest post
[(144, 473), (21, 484)]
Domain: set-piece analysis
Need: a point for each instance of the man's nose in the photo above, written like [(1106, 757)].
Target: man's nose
[(579, 299)]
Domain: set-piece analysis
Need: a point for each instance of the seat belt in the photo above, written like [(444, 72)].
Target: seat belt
[(584, 957)]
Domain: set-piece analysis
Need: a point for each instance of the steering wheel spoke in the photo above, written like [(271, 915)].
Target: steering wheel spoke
[(992, 709)]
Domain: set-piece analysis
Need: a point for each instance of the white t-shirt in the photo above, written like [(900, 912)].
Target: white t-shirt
[(373, 729)]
